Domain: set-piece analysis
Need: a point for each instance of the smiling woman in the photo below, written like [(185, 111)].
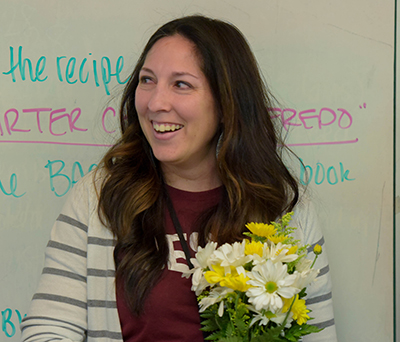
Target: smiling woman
[(177, 114), (199, 157)]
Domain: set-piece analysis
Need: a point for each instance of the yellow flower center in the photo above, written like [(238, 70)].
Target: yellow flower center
[(271, 287)]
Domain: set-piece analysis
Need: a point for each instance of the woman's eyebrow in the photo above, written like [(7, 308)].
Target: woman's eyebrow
[(147, 70), (183, 73), (175, 73)]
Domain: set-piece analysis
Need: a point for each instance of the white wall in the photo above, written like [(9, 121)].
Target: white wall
[(315, 54)]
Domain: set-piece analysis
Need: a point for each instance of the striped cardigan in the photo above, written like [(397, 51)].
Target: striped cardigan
[(76, 301)]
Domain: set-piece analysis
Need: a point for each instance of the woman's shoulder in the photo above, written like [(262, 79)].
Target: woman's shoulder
[(82, 204), (90, 184), (306, 219), (83, 198), (304, 207)]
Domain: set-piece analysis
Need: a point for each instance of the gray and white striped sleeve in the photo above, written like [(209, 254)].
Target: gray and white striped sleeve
[(319, 293), (58, 310)]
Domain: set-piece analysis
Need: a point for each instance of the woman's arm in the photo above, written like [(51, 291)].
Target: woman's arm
[(59, 308), (319, 293)]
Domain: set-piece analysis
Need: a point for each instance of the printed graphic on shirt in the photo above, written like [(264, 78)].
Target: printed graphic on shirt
[(177, 259)]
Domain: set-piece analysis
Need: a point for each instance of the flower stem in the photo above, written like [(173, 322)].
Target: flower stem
[(287, 315), (315, 259)]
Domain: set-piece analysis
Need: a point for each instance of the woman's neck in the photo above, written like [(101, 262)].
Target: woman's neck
[(191, 180)]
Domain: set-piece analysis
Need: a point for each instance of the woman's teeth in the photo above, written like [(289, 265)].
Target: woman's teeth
[(166, 127)]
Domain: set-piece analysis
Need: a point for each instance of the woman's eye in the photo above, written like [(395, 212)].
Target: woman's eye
[(145, 79), (183, 85)]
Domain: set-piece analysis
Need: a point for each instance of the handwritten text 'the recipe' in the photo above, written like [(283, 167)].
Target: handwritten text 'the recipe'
[(71, 70)]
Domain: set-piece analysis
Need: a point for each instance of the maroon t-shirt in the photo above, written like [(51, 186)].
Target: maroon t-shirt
[(171, 311)]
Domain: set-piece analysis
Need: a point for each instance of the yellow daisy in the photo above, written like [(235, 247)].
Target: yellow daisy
[(254, 248), (286, 304), (233, 279), (216, 275), (277, 238), (236, 282), (292, 250), (299, 309), (261, 229)]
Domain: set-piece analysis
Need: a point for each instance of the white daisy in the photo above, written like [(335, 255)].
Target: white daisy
[(231, 255), (303, 265), (203, 254), (263, 317), (270, 282), (278, 253), (217, 294), (305, 278), (201, 262), (199, 283), (279, 317)]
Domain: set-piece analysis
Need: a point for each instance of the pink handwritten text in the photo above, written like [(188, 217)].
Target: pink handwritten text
[(57, 122), (312, 118)]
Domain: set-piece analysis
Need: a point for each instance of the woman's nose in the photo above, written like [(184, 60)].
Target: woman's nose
[(160, 99)]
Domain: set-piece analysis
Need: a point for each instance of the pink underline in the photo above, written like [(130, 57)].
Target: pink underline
[(104, 145), (52, 143), (325, 143)]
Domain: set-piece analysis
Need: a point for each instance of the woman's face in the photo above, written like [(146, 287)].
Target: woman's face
[(175, 106)]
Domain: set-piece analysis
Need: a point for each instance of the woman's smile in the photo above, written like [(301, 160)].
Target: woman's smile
[(164, 127)]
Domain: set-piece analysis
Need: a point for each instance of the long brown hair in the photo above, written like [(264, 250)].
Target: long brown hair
[(257, 185)]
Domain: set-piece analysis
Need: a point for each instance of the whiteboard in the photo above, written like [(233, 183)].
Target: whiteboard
[(397, 185), (329, 63)]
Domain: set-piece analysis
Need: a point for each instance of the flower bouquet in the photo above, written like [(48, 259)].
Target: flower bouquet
[(252, 290)]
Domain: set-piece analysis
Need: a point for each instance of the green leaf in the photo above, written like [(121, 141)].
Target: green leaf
[(255, 237), (229, 330), (209, 322), (266, 338), (297, 331), (209, 327), (302, 293), (241, 325), (271, 334), (231, 339), (216, 336)]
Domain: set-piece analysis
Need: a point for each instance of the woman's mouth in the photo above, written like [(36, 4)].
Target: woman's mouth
[(166, 127)]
